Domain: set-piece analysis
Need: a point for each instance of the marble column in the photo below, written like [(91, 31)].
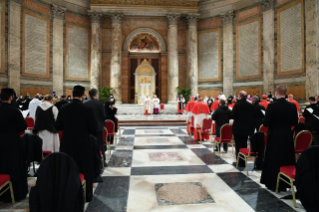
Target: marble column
[(57, 76), (96, 46), (14, 44), (228, 53), (268, 45), (311, 48), (172, 37), (192, 57), (116, 55)]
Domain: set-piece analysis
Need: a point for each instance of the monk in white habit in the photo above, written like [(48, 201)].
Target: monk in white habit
[(156, 104), (147, 105), (200, 111)]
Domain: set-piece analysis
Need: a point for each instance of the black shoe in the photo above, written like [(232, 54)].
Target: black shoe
[(234, 163), (98, 180)]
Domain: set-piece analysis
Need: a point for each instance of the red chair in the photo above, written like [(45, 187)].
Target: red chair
[(226, 136), (83, 185), (206, 128), (245, 153), (4, 181), (118, 127), (110, 126), (213, 129), (264, 129), (302, 141), (30, 122), (290, 173), (162, 106), (60, 135), (190, 126), (301, 119)]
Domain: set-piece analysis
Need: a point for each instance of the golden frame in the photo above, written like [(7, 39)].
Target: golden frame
[(219, 78), (258, 19)]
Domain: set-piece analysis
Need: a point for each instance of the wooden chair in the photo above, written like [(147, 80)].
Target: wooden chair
[(206, 128), (30, 123), (226, 136), (302, 141), (110, 126), (264, 129), (290, 173), (83, 185), (118, 127), (4, 181)]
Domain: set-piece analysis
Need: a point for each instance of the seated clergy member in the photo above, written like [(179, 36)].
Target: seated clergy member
[(221, 116), (309, 109), (77, 122), (12, 161), (280, 117), (147, 105), (291, 99), (200, 112), (264, 102), (61, 102), (45, 118), (156, 104)]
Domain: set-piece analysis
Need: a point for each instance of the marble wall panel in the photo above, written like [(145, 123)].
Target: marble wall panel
[(77, 53), (290, 42), (32, 91), (209, 93), (106, 62), (35, 45), (248, 49), (85, 21), (69, 92), (209, 55), (251, 91), (182, 31), (248, 13), (202, 24), (2, 35), (106, 34), (182, 68)]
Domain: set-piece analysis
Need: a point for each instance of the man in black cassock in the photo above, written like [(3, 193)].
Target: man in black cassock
[(309, 109), (12, 160), (280, 117), (61, 102), (258, 114), (77, 122)]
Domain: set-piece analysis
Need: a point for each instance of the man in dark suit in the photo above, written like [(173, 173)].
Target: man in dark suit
[(309, 109), (258, 114), (62, 102), (100, 117), (243, 126), (280, 117)]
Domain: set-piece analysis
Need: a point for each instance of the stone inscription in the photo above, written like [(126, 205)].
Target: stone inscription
[(208, 54), (78, 53), (291, 39), (35, 45), (248, 49)]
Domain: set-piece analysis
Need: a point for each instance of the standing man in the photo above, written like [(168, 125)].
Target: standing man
[(280, 117), (100, 117), (181, 102), (264, 101), (156, 104), (259, 111), (307, 113), (147, 105), (243, 126), (215, 104), (33, 105), (62, 102), (210, 101), (291, 99), (77, 122)]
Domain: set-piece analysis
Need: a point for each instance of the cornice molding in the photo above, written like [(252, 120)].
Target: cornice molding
[(58, 11)]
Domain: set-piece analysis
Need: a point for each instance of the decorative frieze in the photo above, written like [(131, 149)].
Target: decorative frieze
[(58, 12), (173, 18), (95, 16), (192, 19), (116, 18), (160, 3), (267, 5), (228, 17)]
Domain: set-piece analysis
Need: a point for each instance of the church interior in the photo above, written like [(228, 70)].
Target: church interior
[(142, 48)]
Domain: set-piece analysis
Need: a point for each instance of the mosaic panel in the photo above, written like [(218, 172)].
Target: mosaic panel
[(248, 49), (209, 55), (78, 54), (291, 40), (35, 45), (165, 156)]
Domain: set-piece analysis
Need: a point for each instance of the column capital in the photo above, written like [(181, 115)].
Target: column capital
[(95, 16), (172, 18), (17, 1), (228, 17), (58, 11), (192, 19), (267, 5), (117, 17)]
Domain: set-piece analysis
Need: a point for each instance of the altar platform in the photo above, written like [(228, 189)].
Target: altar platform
[(152, 120), (137, 109)]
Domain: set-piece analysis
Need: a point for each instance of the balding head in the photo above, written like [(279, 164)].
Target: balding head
[(242, 95), (281, 91)]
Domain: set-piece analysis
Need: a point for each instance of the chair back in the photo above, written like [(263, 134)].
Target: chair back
[(105, 136), (117, 122), (226, 133), (301, 119), (110, 126), (60, 135), (29, 121), (264, 129), (207, 124), (303, 141)]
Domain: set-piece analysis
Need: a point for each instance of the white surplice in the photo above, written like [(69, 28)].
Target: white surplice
[(156, 103), (198, 119), (33, 105), (147, 105)]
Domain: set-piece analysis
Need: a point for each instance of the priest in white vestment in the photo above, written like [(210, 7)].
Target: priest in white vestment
[(33, 105), (147, 105), (156, 104)]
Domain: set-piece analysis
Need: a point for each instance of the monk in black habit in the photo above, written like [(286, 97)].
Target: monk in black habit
[(280, 117), (12, 160), (110, 112), (77, 122)]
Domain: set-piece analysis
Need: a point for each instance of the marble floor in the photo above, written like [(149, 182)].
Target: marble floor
[(162, 169)]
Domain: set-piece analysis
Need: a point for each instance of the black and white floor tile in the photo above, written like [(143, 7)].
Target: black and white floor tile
[(162, 169)]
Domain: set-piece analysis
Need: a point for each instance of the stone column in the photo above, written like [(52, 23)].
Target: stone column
[(14, 44), (192, 57), (58, 19), (96, 46), (228, 53), (172, 37), (312, 80), (116, 79), (268, 45)]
